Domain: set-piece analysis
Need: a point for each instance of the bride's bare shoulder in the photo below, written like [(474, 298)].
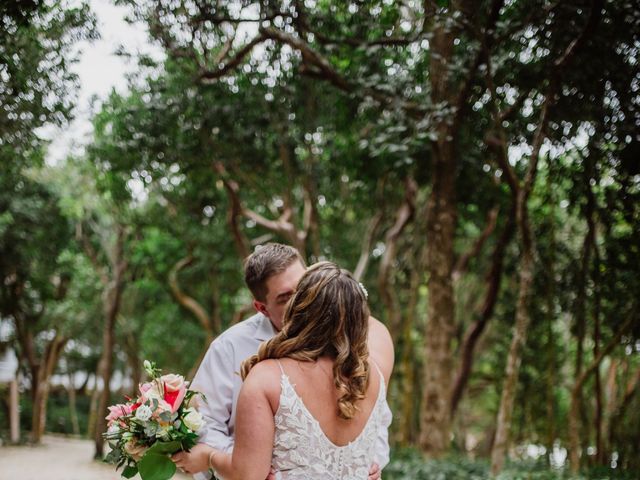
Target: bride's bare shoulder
[(381, 346), (263, 379), (264, 372)]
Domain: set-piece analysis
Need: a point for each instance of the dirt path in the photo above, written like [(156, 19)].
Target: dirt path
[(58, 458)]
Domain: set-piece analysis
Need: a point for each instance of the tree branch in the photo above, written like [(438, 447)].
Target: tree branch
[(187, 301), (365, 251), (473, 333), (463, 261), (570, 52), (207, 75), (91, 254), (403, 216), (486, 41), (234, 212), (315, 65), (613, 343)]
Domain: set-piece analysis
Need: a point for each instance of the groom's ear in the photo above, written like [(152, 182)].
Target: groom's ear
[(260, 307)]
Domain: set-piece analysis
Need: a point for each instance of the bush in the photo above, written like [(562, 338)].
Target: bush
[(408, 464)]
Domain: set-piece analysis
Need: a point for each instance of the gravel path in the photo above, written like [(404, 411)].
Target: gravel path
[(58, 458)]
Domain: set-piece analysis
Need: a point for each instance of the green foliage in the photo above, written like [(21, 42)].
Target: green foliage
[(156, 466), (36, 85), (343, 140), (411, 465)]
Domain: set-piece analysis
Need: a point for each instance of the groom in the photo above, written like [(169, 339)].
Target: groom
[(272, 274)]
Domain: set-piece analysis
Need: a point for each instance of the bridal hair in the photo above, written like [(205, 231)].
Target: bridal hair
[(266, 261), (328, 315)]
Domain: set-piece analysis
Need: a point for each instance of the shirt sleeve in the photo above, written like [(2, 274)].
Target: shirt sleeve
[(214, 379)]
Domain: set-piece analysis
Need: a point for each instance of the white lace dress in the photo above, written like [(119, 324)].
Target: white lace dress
[(301, 450)]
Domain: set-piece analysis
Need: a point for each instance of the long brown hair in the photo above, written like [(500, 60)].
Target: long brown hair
[(328, 315)]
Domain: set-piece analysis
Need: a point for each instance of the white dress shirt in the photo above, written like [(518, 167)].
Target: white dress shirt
[(219, 380)]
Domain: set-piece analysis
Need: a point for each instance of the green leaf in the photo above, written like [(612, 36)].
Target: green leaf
[(165, 447), (113, 456), (155, 466), (130, 472)]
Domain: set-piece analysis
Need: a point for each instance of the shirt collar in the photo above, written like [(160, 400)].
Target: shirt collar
[(264, 330)]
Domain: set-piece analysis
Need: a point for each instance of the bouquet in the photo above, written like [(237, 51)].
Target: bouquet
[(161, 421)]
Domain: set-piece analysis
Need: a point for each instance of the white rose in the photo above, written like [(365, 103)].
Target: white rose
[(193, 419), (163, 432), (113, 429), (143, 413), (194, 402)]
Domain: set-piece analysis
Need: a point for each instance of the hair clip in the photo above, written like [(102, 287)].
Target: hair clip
[(364, 290)]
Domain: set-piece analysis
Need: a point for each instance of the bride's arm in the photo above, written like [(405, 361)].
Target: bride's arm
[(255, 427), (381, 351)]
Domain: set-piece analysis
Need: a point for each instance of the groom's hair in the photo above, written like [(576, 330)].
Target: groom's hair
[(266, 261)]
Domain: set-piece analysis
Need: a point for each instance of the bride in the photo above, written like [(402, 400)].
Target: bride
[(314, 397)]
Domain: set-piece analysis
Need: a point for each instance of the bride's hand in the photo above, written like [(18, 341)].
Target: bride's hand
[(374, 472), (194, 461)]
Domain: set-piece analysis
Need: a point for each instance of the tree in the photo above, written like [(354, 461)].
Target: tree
[(36, 90), (429, 69)]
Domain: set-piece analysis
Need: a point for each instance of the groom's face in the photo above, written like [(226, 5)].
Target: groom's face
[(280, 288)]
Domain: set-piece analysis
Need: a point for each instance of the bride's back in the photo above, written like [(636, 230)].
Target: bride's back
[(314, 385), (312, 441)]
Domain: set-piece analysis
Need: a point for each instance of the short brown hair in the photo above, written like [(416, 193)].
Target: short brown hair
[(266, 261)]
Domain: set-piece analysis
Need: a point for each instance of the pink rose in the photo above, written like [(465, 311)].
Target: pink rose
[(150, 390), (175, 397), (117, 411), (172, 382)]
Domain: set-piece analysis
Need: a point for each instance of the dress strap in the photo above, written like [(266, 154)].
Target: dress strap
[(280, 365), (375, 364)]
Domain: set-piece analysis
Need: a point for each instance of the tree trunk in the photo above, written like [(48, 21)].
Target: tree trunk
[(627, 459), (550, 292), (111, 307), (73, 409), (503, 427), (441, 220), (474, 332), (598, 391), (551, 386), (595, 275), (14, 413), (388, 294), (611, 395), (41, 386), (574, 410), (435, 435), (407, 370), (38, 412), (134, 361), (93, 410)]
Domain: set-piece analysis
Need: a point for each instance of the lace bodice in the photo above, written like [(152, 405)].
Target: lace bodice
[(301, 450)]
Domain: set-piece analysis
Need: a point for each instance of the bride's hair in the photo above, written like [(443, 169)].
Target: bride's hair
[(327, 315)]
